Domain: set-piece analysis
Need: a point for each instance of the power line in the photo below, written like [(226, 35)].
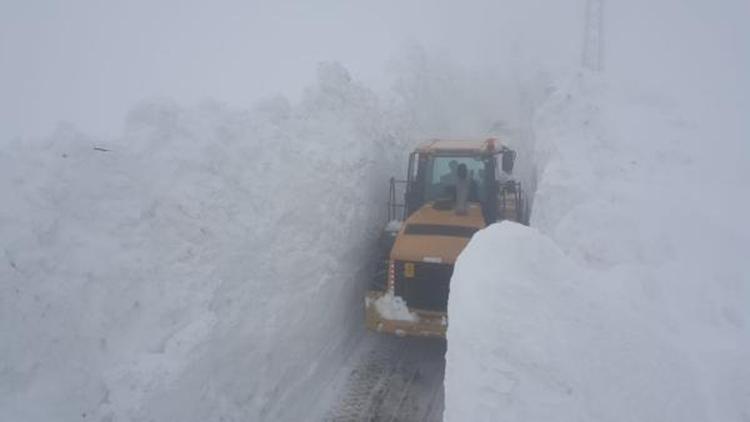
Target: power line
[(593, 42)]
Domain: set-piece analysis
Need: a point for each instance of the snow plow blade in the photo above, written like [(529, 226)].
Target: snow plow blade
[(425, 323)]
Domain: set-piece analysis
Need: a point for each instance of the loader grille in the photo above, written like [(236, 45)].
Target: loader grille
[(427, 289), (440, 230)]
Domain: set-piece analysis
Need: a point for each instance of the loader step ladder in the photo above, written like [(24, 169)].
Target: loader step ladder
[(396, 209), (511, 203)]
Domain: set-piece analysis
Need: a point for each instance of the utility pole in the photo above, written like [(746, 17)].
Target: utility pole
[(593, 41)]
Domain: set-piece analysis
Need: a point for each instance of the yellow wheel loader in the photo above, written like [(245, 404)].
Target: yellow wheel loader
[(452, 190)]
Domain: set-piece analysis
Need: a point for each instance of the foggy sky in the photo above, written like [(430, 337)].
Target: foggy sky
[(88, 62)]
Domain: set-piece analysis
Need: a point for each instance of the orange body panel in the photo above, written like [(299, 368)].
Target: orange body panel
[(461, 146), (416, 247)]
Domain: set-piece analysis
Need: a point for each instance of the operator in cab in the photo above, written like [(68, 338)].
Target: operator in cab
[(466, 189)]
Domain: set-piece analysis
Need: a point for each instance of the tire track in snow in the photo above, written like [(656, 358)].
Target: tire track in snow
[(397, 379)]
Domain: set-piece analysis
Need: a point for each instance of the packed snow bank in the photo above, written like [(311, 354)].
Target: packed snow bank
[(533, 336), (208, 265), (627, 299)]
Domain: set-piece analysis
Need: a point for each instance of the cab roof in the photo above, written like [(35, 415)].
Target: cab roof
[(438, 146)]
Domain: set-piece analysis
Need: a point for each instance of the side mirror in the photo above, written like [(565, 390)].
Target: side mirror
[(509, 157)]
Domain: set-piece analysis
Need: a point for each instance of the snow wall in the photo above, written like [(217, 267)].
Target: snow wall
[(626, 299), (209, 264)]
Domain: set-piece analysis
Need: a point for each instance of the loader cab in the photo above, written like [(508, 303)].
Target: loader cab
[(431, 176)]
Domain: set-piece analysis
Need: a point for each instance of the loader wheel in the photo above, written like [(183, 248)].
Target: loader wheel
[(379, 280), (386, 241)]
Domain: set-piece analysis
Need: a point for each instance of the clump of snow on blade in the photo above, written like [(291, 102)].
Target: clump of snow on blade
[(392, 307), (393, 226)]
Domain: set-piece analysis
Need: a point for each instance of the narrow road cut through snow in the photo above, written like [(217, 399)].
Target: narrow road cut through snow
[(392, 379)]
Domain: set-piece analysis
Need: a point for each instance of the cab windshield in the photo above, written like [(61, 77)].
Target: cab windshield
[(441, 175)]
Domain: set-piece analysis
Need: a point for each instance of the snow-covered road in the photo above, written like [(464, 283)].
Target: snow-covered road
[(392, 379)]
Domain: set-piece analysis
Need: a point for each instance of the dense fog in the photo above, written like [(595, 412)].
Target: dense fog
[(192, 193), (88, 63)]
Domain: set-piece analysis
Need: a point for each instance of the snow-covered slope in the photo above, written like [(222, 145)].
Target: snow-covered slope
[(627, 298), (209, 265)]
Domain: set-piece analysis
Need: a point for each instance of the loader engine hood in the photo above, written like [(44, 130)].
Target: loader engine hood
[(436, 235)]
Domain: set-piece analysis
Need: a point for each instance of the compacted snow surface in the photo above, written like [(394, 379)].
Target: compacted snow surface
[(628, 301), (627, 298)]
